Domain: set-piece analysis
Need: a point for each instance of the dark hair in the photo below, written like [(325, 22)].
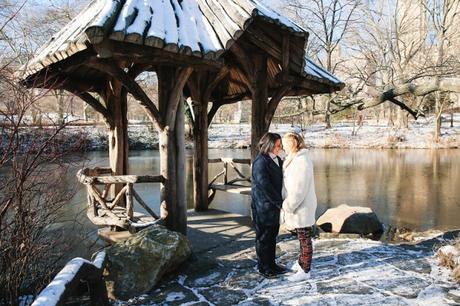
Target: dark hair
[(267, 142)]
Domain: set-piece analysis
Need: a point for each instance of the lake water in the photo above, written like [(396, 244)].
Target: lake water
[(419, 189)]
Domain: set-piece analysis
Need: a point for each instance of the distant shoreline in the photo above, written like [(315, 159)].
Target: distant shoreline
[(342, 135)]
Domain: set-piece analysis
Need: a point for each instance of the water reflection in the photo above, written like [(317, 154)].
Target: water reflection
[(413, 188)]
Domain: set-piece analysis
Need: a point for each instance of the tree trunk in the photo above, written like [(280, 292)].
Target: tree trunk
[(327, 117), (438, 110), (259, 103), (60, 102)]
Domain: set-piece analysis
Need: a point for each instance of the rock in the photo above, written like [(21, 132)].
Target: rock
[(136, 265), (348, 219)]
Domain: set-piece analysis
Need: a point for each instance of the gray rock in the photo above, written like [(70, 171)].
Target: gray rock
[(343, 286), (207, 278), (352, 220), (454, 295), (420, 265), (407, 287), (223, 296), (134, 266), (353, 258)]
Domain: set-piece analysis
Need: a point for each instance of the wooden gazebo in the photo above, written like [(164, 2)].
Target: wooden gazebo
[(213, 51)]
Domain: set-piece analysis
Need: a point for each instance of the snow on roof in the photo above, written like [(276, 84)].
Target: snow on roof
[(317, 72), (202, 28), (206, 27)]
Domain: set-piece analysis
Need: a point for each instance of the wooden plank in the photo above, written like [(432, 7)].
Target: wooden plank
[(113, 237), (128, 179), (246, 161), (222, 33), (232, 188)]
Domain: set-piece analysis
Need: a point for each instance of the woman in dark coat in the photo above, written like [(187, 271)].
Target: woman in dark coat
[(267, 183)]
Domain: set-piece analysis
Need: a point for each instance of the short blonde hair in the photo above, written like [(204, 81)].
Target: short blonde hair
[(299, 143)]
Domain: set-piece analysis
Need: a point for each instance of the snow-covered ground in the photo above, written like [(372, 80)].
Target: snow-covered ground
[(344, 272), (371, 134)]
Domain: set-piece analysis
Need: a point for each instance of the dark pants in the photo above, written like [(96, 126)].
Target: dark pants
[(306, 248), (266, 245)]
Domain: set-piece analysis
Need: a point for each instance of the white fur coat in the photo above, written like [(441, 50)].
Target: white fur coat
[(299, 205)]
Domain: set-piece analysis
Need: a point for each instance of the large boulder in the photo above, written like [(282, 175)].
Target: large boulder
[(134, 266), (350, 220)]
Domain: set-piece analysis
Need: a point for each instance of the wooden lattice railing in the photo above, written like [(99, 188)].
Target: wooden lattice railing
[(239, 184), (117, 211)]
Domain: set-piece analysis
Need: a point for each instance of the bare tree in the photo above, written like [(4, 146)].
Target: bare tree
[(329, 22), (444, 15), (401, 54), (33, 163)]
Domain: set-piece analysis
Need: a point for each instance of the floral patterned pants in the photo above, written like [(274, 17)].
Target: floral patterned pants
[(306, 248)]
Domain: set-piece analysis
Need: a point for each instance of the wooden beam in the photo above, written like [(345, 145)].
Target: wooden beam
[(45, 76), (223, 72), (310, 85), (94, 103), (131, 85), (245, 62), (155, 56), (182, 76), (285, 54), (273, 104), (212, 112), (261, 40)]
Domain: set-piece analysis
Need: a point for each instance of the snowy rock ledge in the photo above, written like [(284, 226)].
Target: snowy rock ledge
[(344, 272)]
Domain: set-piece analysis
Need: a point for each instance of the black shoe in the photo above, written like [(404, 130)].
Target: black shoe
[(268, 274), (279, 269)]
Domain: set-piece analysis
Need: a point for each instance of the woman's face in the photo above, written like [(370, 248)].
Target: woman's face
[(288, 145), (278, 147)]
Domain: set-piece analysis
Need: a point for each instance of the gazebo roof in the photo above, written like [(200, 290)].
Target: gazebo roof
[(199, 29)]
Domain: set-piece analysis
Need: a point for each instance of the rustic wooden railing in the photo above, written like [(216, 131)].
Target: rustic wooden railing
[(65, 284), (241, 184), (103, 211)]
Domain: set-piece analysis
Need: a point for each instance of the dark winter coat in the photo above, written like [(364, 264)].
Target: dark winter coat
[(267, 184)]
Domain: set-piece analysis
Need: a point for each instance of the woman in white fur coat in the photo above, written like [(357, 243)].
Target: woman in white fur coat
[(299, 200)]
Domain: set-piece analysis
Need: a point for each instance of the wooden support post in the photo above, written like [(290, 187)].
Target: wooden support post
[(200, 156), (180, 221), (129, 201), (259, 102), (201, 86), (118, 133), (171, 82)]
